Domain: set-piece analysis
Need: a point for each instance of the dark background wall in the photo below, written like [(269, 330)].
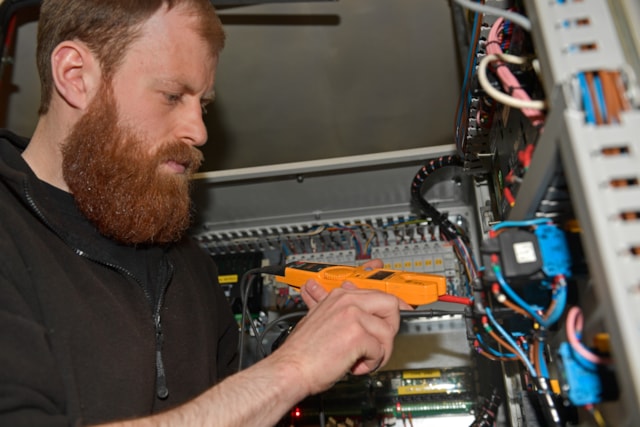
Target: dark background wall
[(303, 81)]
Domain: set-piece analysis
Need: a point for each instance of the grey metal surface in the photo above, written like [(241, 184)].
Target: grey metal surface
[(314, 191)]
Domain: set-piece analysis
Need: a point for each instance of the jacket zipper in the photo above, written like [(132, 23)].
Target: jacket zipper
[(162, 391)]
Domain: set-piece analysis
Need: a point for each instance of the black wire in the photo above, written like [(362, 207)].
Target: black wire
[(488, 413), (248, 279), (271, 325), (245, 309)]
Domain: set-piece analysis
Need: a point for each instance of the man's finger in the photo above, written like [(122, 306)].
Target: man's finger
[(312, 293)]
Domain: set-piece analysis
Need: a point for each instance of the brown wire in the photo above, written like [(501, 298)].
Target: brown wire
[(624, 102), (552, 306), (502, 298), (515, 308), (505, 344), (494, 358), (534, 355), (610, 98)]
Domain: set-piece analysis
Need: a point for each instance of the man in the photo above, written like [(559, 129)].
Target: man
[(107, 313)]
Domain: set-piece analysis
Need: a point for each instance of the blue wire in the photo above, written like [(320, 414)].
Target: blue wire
[(560, 295), (511, 342), (586, 99), (285, 249), (470, 260), (467, 287), (544, 371), (524, 223), (517, 334), (470, 57), (515, 297), (597, 84), (399, 222), (491, 350), (561, 303), (505, 29), (356, 243)]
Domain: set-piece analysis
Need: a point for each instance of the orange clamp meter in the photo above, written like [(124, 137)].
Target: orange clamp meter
[(413, 288)]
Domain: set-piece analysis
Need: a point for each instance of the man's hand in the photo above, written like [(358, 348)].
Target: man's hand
[(346, 330)]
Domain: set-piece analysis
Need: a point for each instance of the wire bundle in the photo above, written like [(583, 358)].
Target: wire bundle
[(514, 95), (517, 341), (505, 28), (462, 110), (602, 96), (513, 301), (507, 296)]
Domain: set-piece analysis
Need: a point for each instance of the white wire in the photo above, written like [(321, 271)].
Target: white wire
[(501, 96), (516, 18)]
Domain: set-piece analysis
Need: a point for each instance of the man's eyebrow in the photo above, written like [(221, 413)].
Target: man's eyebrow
[(209, 96)]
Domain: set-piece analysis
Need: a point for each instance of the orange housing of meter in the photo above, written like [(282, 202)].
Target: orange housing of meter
[(413, 288)]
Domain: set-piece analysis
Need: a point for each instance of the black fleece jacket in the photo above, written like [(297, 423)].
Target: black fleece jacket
[(84, 338)]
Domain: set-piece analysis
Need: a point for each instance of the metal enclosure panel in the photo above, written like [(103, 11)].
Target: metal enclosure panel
[(314, 191)]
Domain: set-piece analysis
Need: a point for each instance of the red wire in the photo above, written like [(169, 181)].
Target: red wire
[(509, 196), (454, 299), (524, 156), (10, 33), (8, 41)]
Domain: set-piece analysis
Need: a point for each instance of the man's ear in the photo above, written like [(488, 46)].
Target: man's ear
[(76, 73)]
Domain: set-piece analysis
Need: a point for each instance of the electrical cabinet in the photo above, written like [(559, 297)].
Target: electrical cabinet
[(531, 213)]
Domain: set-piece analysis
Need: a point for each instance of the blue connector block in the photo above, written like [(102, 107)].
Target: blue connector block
[(583, 383), (554, 250)]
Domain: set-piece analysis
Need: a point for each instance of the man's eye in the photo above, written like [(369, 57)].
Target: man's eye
[(173, 98)]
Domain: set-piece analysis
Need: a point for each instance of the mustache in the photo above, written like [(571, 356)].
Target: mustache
[(188, 156)]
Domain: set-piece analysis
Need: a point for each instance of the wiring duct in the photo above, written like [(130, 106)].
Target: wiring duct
[(446, 227)]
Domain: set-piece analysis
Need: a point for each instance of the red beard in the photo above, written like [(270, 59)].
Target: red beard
[(119, 186)]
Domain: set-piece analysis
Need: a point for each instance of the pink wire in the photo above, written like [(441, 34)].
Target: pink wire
[(574, 327), (509, 82)]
